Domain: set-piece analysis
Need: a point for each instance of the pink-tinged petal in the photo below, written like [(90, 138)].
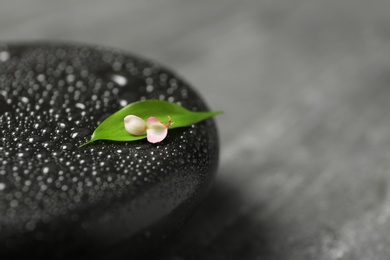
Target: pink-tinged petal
[(156, 135), (153, 121), (156, 131), (135, 125)]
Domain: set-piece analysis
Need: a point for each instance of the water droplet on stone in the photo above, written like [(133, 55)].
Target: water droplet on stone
[(80, 105), (119, 79), (22, 145), (4, 56), (39, 125), (81, 132), (149, 88), (24, 99), (123, 102), (66, 146), (47, 144), (34, 139), (23, 154), (14, 203)]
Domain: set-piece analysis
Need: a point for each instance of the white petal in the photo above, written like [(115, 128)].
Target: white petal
[(135, 125)]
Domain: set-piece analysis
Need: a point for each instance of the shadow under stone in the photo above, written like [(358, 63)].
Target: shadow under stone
[(221, 228)]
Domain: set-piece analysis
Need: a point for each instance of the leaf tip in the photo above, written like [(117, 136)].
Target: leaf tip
[(85, 144)]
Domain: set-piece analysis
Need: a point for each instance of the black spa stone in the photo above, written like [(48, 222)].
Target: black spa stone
[(107, 200)]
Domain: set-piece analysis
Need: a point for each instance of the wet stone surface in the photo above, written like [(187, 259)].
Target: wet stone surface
[(109, 198)]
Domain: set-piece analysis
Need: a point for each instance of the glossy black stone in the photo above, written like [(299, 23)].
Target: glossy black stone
[(108, 199)]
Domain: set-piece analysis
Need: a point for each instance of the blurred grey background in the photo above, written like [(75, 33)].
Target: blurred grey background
[(305, 137)]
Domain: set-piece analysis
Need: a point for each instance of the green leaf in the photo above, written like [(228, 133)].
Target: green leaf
[(113, 127)]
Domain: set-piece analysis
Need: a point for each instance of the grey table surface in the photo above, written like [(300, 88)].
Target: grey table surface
[(305, 137)]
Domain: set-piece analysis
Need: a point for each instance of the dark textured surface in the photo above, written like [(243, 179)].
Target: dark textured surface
[(61, 200)]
